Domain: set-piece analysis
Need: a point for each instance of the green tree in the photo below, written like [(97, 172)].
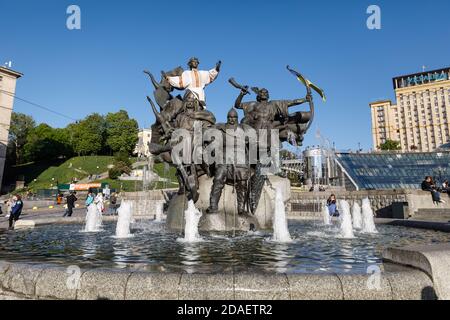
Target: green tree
[(390, 145), (20, 127), (46, 143), (121, 132), (88, 135)]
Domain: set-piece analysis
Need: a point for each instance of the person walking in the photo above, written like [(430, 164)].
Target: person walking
[(100, 202), (113, 204), (429, 185), (16, 210), (70, 202), (331, 204), (9, 204)]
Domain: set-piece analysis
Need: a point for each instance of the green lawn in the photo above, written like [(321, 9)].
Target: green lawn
[(159, 168), (44, 175), (78, 167)]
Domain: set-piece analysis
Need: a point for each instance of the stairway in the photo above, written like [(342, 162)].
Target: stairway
[(432, 214)]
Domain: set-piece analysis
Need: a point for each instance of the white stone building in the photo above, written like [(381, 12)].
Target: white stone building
[(142, 150), (8, 80)]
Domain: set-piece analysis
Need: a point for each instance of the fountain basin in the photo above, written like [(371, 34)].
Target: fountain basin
[(45, 275), (315, 249)]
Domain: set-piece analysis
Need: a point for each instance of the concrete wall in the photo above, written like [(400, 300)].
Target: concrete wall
[(381, 201), (147, 203)]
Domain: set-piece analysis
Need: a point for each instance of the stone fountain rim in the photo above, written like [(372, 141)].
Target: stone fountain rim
[(47, 281)]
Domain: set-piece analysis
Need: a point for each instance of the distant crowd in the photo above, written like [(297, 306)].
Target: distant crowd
[(14, 205)]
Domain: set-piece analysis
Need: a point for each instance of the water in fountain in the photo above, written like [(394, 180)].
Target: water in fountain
[(93, 219), (125, 213), (192, 217), (280, 227), (368, 223), (346, 228), (159, 208), (326, 215), (356, 216)]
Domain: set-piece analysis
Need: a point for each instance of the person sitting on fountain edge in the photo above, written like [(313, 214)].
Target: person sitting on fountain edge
[(331, 204), (429, 185)]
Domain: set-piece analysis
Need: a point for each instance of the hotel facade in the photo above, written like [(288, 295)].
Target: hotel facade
[(420, 118)]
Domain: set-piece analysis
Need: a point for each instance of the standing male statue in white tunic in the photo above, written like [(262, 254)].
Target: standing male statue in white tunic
[(195, 80)]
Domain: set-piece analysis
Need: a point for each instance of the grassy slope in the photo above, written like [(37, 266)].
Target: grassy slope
[(81, 167), (78, 167)]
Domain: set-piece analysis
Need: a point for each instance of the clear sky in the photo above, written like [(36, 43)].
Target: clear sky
[(99, 68)]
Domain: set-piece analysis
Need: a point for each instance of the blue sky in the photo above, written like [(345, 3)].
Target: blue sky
[(99, 68)]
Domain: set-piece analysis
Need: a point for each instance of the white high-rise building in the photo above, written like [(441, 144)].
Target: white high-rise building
[(420, 120)]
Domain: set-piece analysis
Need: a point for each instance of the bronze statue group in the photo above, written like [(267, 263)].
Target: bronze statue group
[(190, 111)]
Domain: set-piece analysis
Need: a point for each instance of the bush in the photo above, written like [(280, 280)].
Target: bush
[(122, 157), (114, 173)]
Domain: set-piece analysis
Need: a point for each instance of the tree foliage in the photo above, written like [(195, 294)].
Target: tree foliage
[(20, 126), (94, 135), (121, 132), (45, 142), (390, 145), (89, 135)]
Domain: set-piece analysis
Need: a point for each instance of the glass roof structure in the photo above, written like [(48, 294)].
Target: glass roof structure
[(394, 170)]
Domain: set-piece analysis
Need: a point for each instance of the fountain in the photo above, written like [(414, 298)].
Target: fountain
[(235, 260), (280, 226), (326, 215), (346, 228), (356, 216), (368, 223), (125, 213), (192, 217), (93, 219)]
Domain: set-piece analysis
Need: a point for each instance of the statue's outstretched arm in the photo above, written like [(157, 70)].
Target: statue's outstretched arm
[(152, 78), (238, 102), (297, 102)]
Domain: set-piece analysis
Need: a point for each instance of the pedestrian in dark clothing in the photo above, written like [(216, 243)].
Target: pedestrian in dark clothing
[(16, 210), (428, 185), (113, 204), (70, 200)]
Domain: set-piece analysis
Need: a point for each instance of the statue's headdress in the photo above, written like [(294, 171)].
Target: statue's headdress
[(193, 59), (232, 112), (255, 90)]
